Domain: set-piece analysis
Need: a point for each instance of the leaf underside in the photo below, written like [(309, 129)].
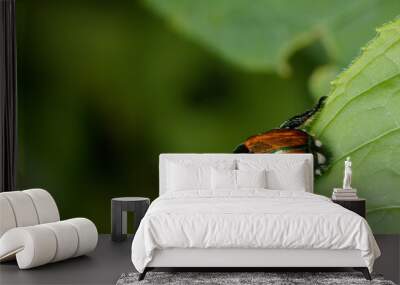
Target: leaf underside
[(361, 119), (261, 35)]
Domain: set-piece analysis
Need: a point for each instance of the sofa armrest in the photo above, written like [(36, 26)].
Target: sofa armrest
[(32, 246), (40, 244)]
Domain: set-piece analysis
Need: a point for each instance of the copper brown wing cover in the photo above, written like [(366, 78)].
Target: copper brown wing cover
[(279, 140)]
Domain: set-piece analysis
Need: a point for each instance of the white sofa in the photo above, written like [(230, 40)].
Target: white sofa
[(31, 231)]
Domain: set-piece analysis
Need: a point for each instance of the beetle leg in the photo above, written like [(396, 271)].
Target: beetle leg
[(317, 143), (321, 158)]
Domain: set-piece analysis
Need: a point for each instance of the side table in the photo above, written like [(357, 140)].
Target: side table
[(119, 208), (357, 205)]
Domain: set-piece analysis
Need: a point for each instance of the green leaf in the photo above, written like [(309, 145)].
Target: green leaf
[(361, 119), (261, 35), (385, 219)]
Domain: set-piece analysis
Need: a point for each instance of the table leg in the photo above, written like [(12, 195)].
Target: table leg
[(118, 222)]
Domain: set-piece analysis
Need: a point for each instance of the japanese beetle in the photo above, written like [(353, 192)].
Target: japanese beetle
[(288, 138)]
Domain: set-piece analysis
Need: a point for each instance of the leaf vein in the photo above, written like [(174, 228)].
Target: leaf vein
[(390, 207), (365, 92), (374, 140)]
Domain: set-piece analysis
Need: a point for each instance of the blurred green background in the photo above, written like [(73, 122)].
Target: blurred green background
[(106, 86)]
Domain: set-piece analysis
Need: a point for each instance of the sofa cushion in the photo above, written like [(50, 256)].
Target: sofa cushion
[(46, 207), (7, 220), (23, 208)]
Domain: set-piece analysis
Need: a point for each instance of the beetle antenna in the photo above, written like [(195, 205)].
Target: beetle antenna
[(298, 120)]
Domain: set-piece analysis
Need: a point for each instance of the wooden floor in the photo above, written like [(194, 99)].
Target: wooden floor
[(110, 260)]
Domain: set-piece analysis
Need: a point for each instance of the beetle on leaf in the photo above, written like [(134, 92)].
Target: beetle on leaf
[(288, 138)]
